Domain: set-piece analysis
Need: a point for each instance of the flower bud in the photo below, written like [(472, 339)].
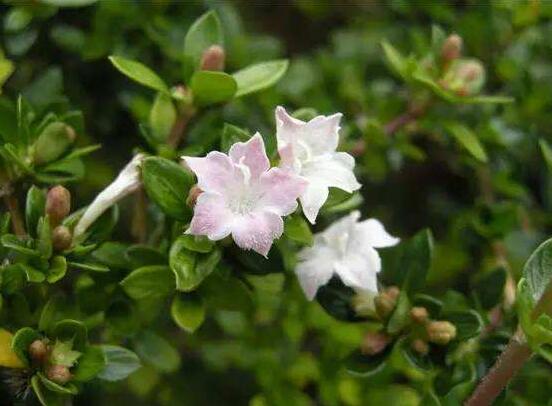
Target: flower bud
[(385, 302), (213, 58), (420, 346), (419, 314), (52, 142), (194, 193), (59, 374), (440, 332), (58, 204), (452, 47), (374, 343), (61, 238), (465, 77), (38, 351)]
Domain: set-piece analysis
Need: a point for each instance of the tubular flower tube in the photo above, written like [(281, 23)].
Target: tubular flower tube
[(242, 196), (345, 249), (126, 183), (309, 150)]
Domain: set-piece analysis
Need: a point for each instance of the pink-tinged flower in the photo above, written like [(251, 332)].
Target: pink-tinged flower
[(309, 150), (242, 196), (127, 182), (345, 249)]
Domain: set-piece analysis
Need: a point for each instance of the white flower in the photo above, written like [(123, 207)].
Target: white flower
[(309, 150), (243, 196), (346, 249), (126, 182)]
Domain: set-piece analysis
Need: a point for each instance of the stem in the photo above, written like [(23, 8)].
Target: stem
[(505, 368), (400, 121), (179, 127), (17, 221)]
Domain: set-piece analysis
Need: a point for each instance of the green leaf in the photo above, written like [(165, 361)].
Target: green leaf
[(139, 73), (33, 275), (162, 117), (232, 134), (18, 245), (209, 87), (90, 364), (546, 151), (69, 3), (73, 331), (143, 255), (336, 299), (167, 184), (119, 363), (398, 63), (297, 229), (44, 242), (361, 365), (538, 270), (188, 311), (401, 314), (157, 351), (489, 287), (21, 341), (13, 278), (259, 76), (57, 270), (189, 267), (197, 243), (407, 264), (203, 33), (34, 208), (88, 266), (149, 282), (47, 397), (467, 138), (468, 323), (67, 389), (112, 254)]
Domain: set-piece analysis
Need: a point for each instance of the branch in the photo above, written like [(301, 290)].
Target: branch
[(505, 368), (179, 127), (13, 207)]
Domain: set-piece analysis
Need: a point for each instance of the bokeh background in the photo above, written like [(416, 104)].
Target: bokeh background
[(285, 350)]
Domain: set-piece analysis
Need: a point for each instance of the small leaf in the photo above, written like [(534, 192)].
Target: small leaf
[(546, 152), (18, 245), (157, 351), (47, 397), (119, 363), (190, 268), (162, 117), (538, 270), (489, 287), (336, 299), (90, 364), (209, 87), (67, 389), (188, 311), (73, 331), (297, 229), (34, 208), (259, 76), (467, 138), (57, 270), (139, 73), (203, 33), (197, 243), (468, 323), (232, 134), (167, 184), (401, 314), (361, 365), (149, 282), (21, 341), (143, 255)]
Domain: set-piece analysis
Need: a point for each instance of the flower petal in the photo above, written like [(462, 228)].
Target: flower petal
[(372, 233), (257, 231), (279, 191), (126, 182), (211, 217), (315, 269), (332, 170), (287, 127), (359, 270), (215, 172), (252, 154), (313, 199)]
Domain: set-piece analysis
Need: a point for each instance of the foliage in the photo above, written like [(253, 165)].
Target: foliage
[(448, 126)]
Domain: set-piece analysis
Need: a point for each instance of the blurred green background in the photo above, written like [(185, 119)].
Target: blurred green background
[(285, 351)]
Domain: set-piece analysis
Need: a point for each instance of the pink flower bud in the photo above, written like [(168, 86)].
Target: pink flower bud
[(213, 58), (58, 204)]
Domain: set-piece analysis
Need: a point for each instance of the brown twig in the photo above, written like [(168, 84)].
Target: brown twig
[(17, 220), (179, 127), (505, 368)]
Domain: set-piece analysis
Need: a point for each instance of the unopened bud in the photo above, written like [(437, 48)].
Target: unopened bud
[(452, 47), (465, 77), (59, 374), (385, 302), (374, 343), (194, 193), (440, 332), (419, 314), (52, 142), (58, 204), (213, 58), (38, 351), (61, 238), (420, 346)]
